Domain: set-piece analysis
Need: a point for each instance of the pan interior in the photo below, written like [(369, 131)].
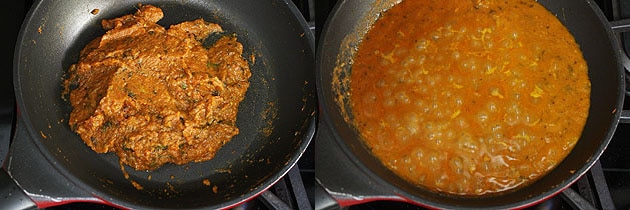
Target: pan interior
[(276, 118), (338, 47)]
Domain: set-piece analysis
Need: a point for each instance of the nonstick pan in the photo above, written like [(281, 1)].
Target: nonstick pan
[(341, 35), (276, 119)]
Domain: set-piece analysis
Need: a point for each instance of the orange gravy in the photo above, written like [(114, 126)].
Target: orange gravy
[(469, 97)]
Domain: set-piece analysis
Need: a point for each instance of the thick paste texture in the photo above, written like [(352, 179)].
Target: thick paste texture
[(154, 95)]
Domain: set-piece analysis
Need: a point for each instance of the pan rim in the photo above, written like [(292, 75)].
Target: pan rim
[(327, 104), (306, 134)]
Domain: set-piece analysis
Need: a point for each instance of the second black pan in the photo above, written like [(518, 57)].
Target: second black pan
[(343, 32), (276, 119)]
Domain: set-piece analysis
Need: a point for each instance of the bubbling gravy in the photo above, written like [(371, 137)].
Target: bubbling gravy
[(469, 97)]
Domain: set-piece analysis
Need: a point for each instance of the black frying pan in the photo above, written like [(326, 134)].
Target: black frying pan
[(281, 99), (351, 19)]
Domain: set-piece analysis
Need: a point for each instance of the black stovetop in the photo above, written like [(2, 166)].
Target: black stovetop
[(606, 186), (615, 162), (286, 191)]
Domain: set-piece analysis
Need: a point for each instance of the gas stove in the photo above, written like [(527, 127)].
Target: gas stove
[(605, 186), (293, 191)]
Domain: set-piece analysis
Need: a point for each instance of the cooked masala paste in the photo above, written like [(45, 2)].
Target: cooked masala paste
[(154, 95), (469, 97)]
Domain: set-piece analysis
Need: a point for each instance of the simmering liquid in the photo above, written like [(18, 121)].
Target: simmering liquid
[(469, 97)]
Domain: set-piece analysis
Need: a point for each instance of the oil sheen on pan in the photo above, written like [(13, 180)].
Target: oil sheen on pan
[(154, 95), (469, 97)]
